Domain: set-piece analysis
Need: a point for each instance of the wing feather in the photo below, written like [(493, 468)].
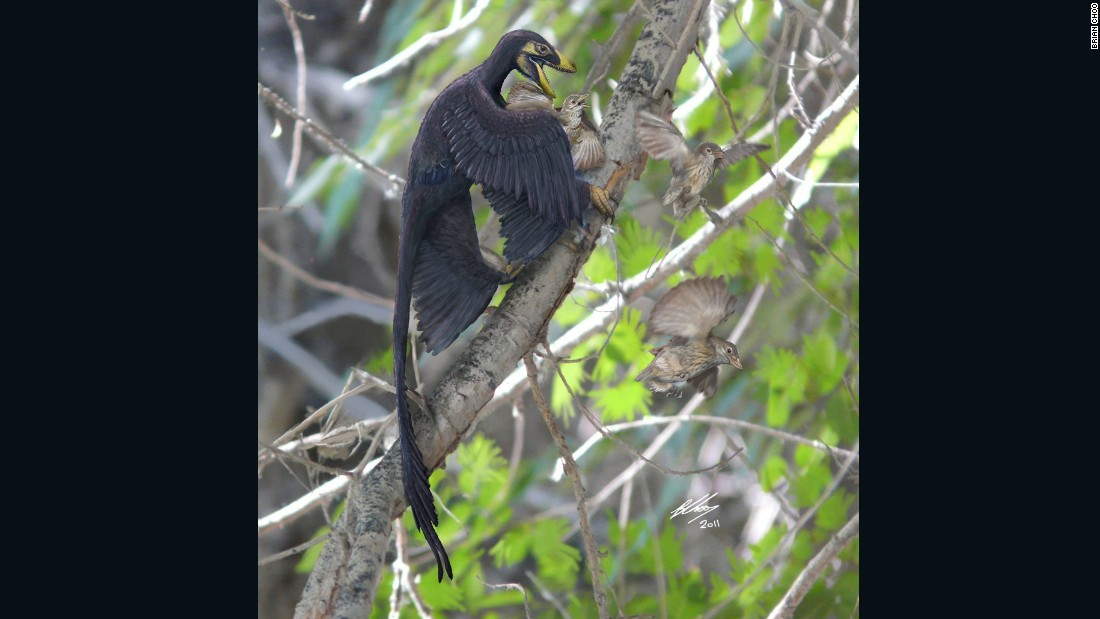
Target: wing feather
[(692, 308), (540, 169)]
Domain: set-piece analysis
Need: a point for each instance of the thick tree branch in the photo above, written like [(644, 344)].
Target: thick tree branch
[(347, 573)]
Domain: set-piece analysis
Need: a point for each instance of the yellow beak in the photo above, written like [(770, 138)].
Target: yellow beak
[(565, 66)]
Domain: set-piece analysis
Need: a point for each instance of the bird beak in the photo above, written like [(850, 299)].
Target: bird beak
[(564, 65), (735, 362), (719, 154)]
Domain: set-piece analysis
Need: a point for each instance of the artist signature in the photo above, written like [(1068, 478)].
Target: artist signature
[(691, 506)]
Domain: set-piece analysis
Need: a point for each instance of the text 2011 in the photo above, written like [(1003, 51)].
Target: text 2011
[(707, 524)]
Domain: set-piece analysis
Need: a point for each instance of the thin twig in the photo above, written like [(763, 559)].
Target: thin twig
[(547, 595), (514, 587), (708, 419), (335, 437), (403, 574), (786, 540), (329, 141), (429, 40), (300, 93), (328, 491), (293, 551), (322, 284), (319, 413), (278, 453), (305, 16), (806, 578), (804, 278), (805, 13), (718, 89), (603, 64), (517, 446), (578, 488), (368, 457)]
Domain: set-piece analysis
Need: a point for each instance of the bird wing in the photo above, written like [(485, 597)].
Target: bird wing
[(588, 152), (706, 382), (692, 308), (740, 150), (522, 152), (452, 284), (660, 138), (526, 96), (526, 235)]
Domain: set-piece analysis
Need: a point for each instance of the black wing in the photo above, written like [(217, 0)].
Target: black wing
[(526, 235), (525, 153), (452, 284)]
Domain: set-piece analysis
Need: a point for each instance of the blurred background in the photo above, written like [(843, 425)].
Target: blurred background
[(326, 278)]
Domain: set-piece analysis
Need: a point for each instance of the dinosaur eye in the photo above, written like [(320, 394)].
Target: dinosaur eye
[(542, 49)]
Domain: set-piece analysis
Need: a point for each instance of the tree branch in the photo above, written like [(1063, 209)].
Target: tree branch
[(801, 585)]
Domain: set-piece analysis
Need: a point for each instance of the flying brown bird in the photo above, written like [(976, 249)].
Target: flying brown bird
[(521, 158), (691, 169), (688, 313), (584, 137)]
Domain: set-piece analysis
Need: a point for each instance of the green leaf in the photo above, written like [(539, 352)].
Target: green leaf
[(483, 469), (818, 219), (381, 363), (765, 262), (773, 471), (560, 401), (725, 254), (558, 562), (600, 266), (637, 245), (786, 379), (623, 401), (801, 548), (833, 513), (823, 361), (804, 455), (624, 349), (512, 547), (808, 486)]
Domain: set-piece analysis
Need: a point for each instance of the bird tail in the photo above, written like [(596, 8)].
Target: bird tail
[(414, 474)]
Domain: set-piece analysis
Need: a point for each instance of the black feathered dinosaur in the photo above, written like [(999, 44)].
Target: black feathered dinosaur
[(522, 161)]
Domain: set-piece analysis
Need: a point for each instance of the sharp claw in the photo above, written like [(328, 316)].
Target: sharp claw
[(603, 202)]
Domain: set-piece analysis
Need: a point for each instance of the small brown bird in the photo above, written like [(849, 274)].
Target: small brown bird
[(688, 312), (691, 170), (526, 95), (584, 139)]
